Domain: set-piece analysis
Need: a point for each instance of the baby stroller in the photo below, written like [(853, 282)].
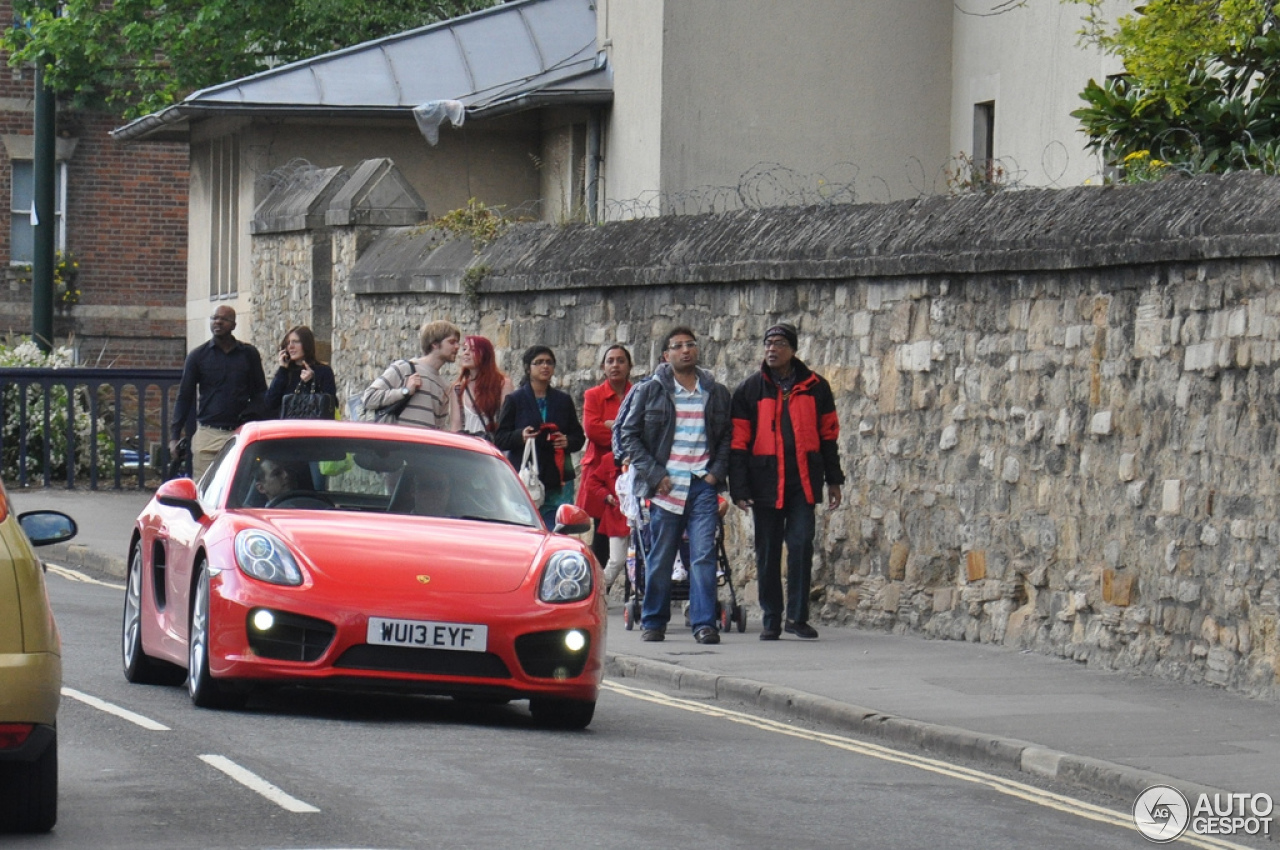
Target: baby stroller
[(727, 615)]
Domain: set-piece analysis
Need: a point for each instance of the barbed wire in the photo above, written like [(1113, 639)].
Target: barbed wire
[(771, 184), (1175, 153)]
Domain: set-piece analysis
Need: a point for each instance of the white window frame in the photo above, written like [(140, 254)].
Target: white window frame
[(59, 209), (224, 225)]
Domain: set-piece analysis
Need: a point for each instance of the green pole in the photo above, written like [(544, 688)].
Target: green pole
[(45, 221)]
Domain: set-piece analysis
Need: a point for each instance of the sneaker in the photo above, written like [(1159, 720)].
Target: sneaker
[(706, 634), (653, 635), (801, 630), (679, 574), (770, 634)]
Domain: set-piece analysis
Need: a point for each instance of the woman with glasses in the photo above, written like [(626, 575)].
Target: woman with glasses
[(539, 412)]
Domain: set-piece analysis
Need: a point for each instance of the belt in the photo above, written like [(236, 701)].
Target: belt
[(213, 427)]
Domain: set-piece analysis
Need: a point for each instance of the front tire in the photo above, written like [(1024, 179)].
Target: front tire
[(562, 713), (204, 690), (140, 668)]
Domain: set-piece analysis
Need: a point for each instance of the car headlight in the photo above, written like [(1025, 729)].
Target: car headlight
[(264, 556), (567, 578)]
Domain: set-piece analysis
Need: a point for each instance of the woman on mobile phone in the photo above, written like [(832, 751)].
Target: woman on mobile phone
[(297, 364), (537, 411)]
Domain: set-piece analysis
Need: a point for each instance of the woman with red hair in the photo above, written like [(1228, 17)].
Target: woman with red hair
[(480, 389)]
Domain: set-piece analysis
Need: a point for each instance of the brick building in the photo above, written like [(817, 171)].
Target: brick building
[(122, 217)]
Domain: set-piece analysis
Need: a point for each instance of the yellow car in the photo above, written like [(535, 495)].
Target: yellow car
[(30, 671)]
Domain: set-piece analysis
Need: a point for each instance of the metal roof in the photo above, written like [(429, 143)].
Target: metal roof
[(506, 58)]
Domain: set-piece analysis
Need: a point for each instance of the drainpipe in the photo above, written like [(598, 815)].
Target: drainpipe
[(593, 165)]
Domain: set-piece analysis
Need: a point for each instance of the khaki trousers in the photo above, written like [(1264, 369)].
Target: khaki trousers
[(205, 446)]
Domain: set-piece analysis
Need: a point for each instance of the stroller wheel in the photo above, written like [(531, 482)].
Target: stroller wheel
[(630, 614), (722, 615), (739, 617)]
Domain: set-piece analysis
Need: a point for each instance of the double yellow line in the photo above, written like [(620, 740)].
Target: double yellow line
[(1008, 787)]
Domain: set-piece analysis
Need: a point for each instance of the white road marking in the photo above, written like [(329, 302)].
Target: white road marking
[(75, 575), (1030, 793), (109, 708), (256, 783)]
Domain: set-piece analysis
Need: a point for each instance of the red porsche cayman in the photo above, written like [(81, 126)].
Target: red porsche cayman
[(366, 556)]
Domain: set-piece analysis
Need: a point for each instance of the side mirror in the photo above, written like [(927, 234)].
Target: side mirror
[(571, 519), (180, 493), (47, 527)]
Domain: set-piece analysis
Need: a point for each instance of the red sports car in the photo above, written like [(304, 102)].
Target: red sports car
[(366, 556)]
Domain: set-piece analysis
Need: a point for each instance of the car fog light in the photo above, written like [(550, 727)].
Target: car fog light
[(575, 640), (263, 620)]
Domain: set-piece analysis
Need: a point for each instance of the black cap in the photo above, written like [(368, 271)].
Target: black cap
[(785, 329)]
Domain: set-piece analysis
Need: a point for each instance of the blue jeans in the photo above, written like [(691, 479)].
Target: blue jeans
[(666, 528), (792, 526)]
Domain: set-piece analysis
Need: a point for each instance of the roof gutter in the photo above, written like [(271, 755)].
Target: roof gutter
[(171, 117)]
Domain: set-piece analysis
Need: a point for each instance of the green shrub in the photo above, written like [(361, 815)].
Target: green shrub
[(26, 354)]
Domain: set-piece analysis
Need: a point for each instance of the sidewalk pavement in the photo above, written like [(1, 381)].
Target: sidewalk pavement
[(1112, 732)]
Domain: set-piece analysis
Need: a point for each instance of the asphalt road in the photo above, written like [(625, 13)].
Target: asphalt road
[(142, 768)]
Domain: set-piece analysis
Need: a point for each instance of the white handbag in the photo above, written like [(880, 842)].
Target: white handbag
[(529, 473)]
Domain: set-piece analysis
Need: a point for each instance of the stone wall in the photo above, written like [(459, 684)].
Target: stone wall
[(1059, 409)]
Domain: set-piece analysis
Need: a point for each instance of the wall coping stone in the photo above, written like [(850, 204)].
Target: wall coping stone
[(1215, 216), (378, 195), (300, 201)]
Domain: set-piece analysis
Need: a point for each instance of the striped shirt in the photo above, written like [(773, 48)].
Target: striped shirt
[(427, 408), (689, 452)]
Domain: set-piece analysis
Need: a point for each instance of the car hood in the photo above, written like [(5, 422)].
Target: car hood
[(376, 552)]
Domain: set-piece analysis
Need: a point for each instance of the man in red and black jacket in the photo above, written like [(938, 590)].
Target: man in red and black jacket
[(784, 451)]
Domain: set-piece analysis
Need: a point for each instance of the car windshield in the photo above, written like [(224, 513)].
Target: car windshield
[(384, 476)]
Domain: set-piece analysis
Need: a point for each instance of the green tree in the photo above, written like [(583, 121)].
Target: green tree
[(1201, 89), (137, 56)]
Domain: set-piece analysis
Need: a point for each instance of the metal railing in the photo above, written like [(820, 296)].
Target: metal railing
[(81, 426)]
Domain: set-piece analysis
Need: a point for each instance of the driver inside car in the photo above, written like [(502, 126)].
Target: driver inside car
[(275, 478)]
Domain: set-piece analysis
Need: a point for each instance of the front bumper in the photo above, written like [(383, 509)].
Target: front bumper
[(323, 642)]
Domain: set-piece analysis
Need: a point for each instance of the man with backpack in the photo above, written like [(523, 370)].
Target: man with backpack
[(413, 389)]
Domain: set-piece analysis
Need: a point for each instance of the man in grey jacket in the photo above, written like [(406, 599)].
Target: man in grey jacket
[(677, 435)]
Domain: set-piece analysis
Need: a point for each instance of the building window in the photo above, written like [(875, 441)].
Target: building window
[(224, 238), (22, 230), (984, 134)]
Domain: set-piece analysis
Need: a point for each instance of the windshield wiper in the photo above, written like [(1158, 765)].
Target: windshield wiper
[(476, 518)]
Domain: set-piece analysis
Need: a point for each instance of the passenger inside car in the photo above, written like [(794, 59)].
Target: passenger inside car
[(424, 491)]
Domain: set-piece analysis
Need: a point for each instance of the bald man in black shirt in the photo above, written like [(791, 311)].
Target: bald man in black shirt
[(228, 376)]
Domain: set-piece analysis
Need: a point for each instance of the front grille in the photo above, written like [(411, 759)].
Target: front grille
[(439, 662), (292, 637), (543, 655)]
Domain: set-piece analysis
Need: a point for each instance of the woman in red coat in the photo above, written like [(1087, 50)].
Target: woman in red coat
[(599, 409)]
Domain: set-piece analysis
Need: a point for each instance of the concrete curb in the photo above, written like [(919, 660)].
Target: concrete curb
[(1117, 780), (77, 555)]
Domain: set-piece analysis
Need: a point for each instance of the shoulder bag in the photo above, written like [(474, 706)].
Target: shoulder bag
[(307, 405), (489, 427), (529, 473), (391, 413)]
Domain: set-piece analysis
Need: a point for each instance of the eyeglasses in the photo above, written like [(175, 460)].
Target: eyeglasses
[(776, 343), (543, 363), (676, 346)]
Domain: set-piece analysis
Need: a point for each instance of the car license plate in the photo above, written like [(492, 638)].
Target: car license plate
[(426, 634)]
